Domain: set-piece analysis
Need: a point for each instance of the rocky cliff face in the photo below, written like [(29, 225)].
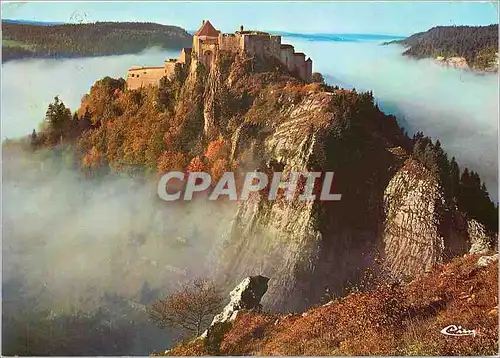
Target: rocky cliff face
[(292, 242), (391, 205), (412, 240), (419, 230), (461, 63), (454, 62)]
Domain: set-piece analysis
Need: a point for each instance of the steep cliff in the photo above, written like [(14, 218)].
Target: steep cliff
[(393, 209), (413, 201)]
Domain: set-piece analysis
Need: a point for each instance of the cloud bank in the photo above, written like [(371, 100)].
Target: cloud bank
[(458, 108)]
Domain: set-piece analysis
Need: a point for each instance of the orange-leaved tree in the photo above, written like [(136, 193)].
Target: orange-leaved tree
[(191, 309), (196, 165), (171, 161)]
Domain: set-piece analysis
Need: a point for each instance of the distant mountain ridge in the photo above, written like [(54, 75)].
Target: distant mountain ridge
[(339, 37), (33, 22), (22, 40), (473, 47)]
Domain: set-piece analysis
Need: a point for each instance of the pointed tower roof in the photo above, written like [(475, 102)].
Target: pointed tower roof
[(207, 29)]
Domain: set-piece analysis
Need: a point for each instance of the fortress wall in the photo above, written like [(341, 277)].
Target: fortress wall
[(241, 42), (229, 42), (275, 46), (204, 48), (209, 41), (207, 52), (257, 45), (196, 44), (300, 65), (262, 45), (185, 56), (287, 58), (199, 42), (144, 76), (169, 68), (309, 70)]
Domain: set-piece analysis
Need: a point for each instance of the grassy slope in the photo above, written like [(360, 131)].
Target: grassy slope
[(386, 321)]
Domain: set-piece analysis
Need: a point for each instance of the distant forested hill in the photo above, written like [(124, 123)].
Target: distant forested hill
[(477, 44), (85, 40)]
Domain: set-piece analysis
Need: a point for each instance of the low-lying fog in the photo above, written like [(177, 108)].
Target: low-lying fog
[(28, 86), (460, 108), (72, 245)]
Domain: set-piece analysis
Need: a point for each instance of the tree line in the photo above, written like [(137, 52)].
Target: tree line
[(462, 189), (89, 39), (477, 44)]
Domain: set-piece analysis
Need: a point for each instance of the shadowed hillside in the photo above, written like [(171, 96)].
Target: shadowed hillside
[(477, 44), (89, 39)]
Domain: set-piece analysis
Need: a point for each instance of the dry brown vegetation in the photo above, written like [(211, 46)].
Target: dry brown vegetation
[(191, 308), (390, 320)]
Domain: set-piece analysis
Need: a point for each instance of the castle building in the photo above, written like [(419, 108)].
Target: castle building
[(208, 40)]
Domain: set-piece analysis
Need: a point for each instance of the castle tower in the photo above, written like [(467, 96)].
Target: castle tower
[(205, 42)]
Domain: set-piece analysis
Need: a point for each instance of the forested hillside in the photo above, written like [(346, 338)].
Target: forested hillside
[(477, 44), (92, 39)]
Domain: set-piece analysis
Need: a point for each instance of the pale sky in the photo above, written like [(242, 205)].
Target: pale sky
[(397, 18)]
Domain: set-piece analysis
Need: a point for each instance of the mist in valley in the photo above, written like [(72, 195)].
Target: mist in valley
[(69, 244), (73, 246), (457, 107), (28, 86)]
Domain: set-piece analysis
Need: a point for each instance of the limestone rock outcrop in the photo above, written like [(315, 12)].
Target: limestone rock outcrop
[(454, 62), (246, 295), (484, 261), (412, 240), (419, 230), (478, 237)]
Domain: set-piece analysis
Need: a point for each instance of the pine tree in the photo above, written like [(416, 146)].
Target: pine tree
[(454, 178), (33, 139), (57, 117)]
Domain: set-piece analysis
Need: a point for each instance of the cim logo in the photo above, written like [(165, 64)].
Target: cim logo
[(457, 331)]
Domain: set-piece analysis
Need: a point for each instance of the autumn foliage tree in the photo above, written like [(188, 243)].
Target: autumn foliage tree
[(217, 155), (196, 165), (191, 309), (170, 161), (318, 78)]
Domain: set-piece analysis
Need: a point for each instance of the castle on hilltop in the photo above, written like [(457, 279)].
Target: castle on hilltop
[(207, 41)]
